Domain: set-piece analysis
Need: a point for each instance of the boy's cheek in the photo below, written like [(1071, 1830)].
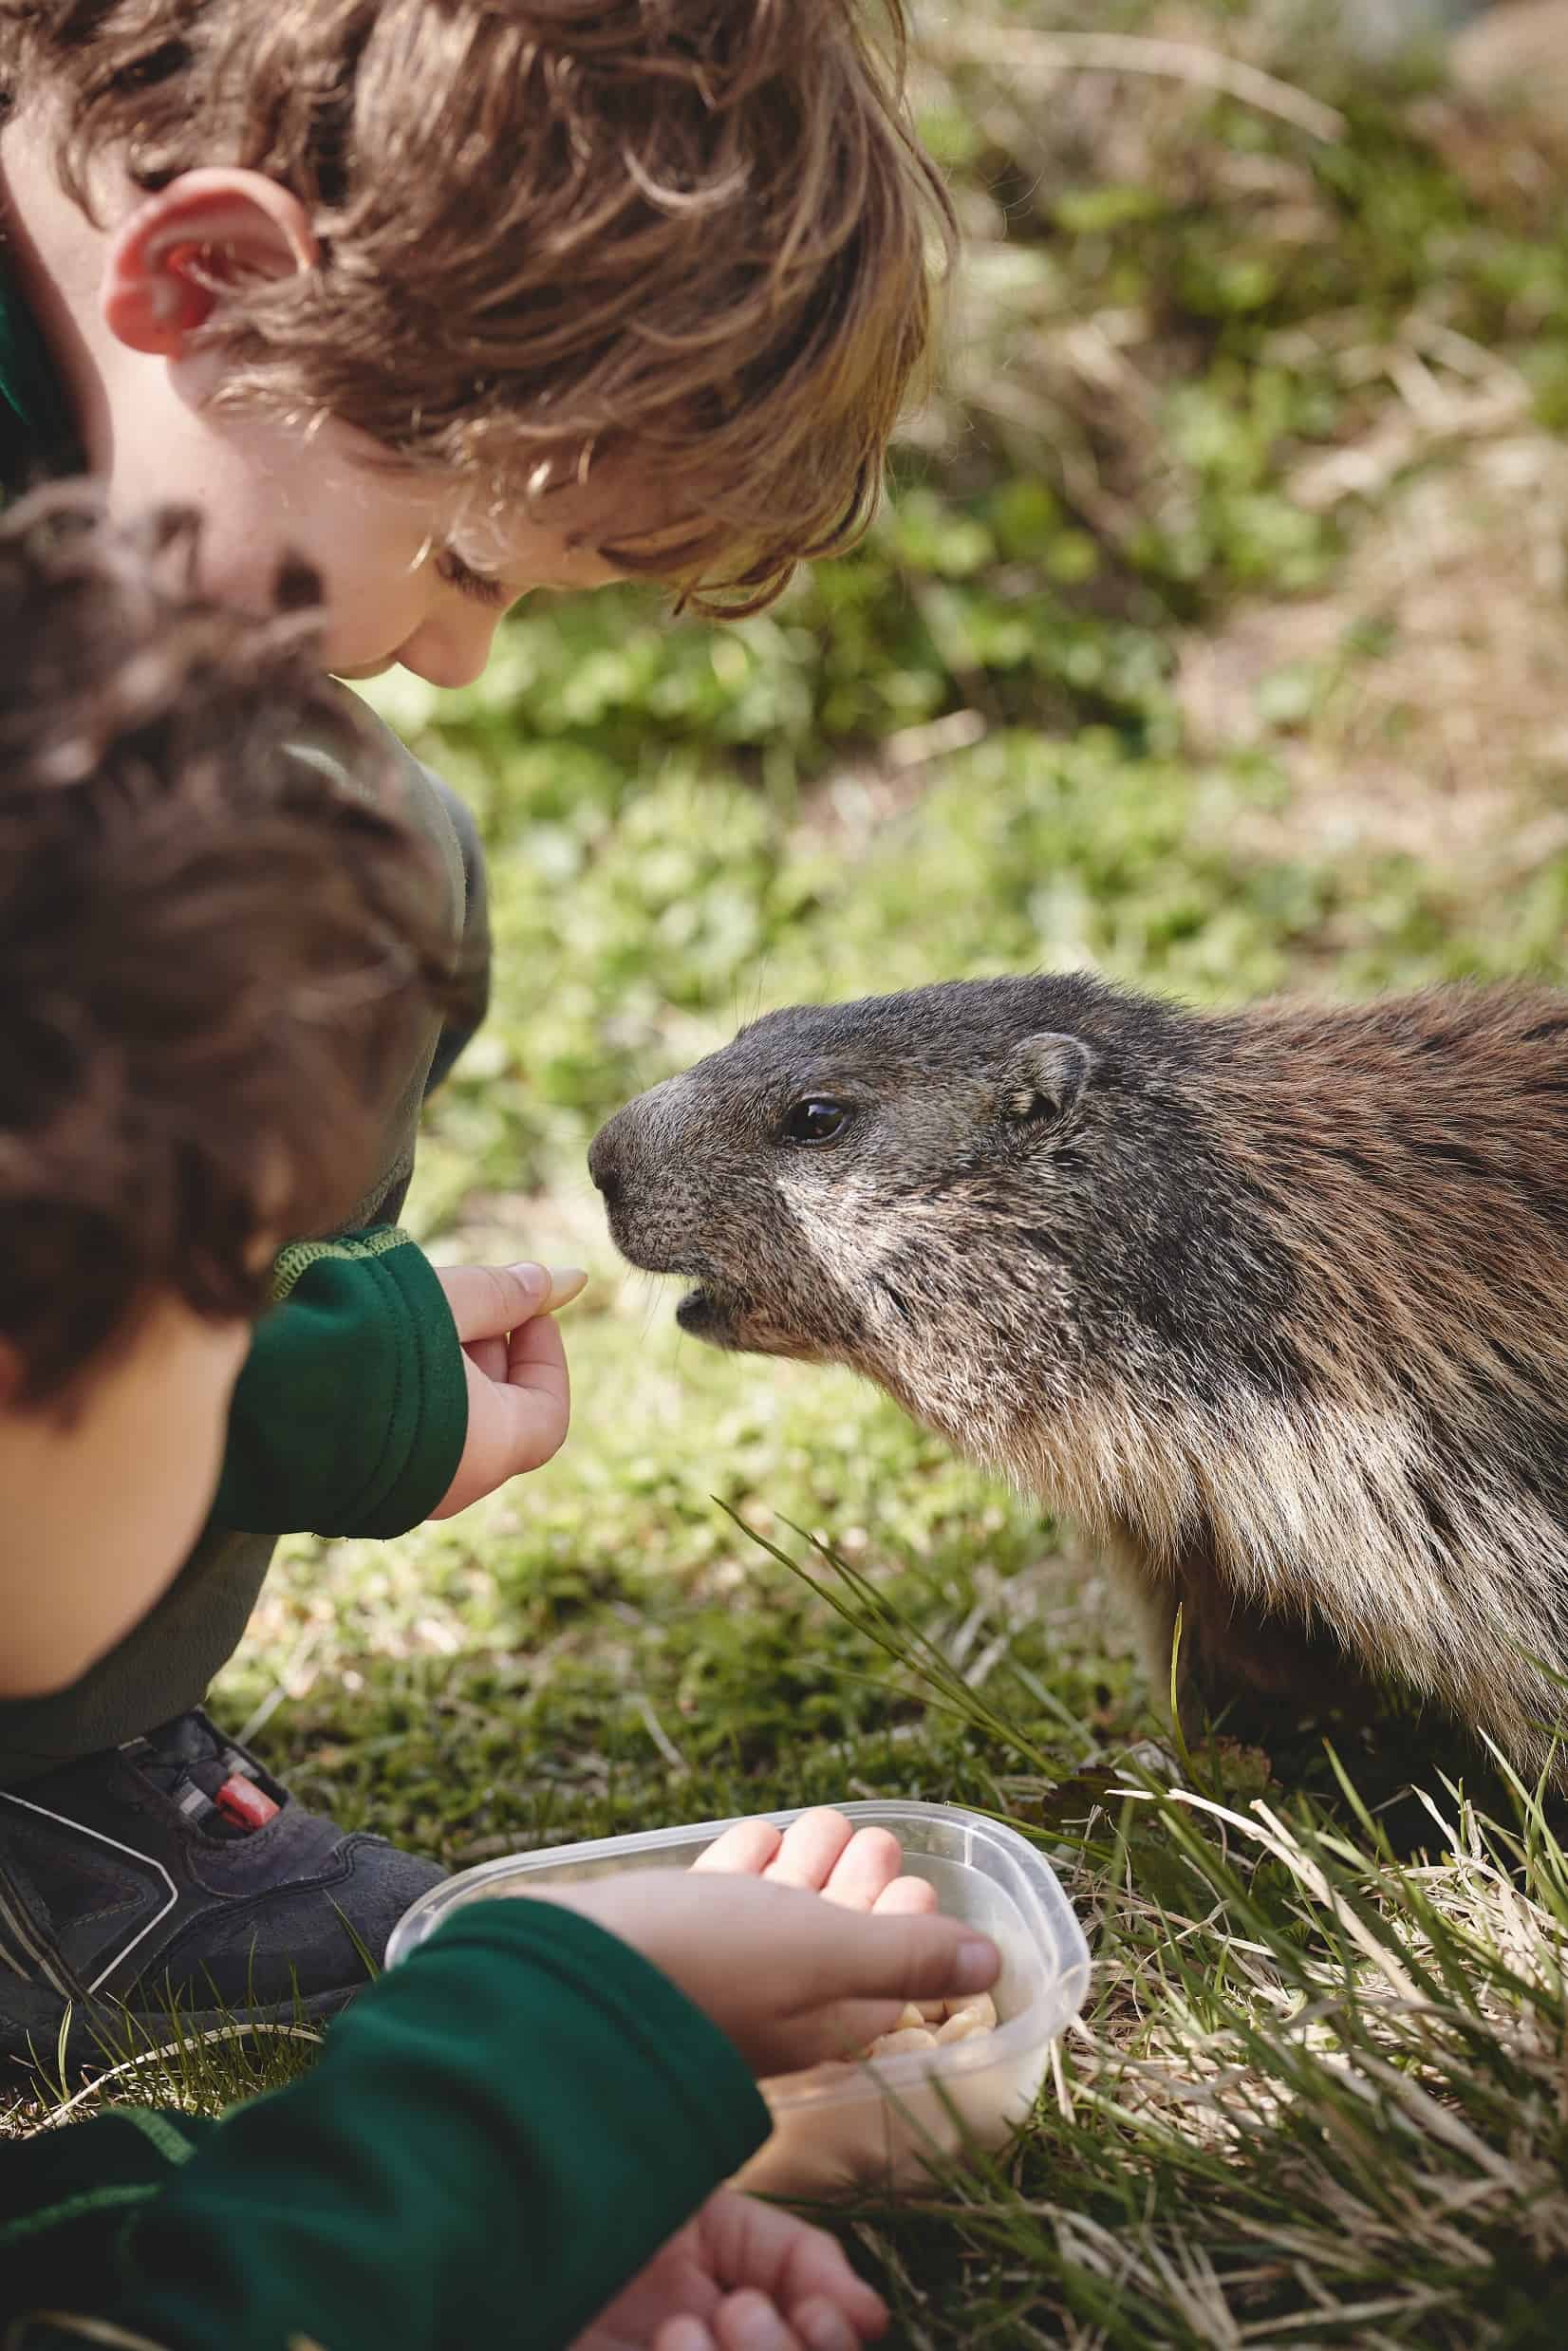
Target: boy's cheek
[(156, 1465), (200, 1409), (267, 492)]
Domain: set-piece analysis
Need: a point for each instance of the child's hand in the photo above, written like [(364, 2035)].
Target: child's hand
[(858, 1868), (519, 1395), (742, 2276), (790, 1978)]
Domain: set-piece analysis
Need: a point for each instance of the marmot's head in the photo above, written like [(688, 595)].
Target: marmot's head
[(968, 1192)]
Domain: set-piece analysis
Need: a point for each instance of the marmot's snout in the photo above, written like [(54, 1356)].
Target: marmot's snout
[(604, 1160), (605, 1164), (627, 1163), (661, 1214)]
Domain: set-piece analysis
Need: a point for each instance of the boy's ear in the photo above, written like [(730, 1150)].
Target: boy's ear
[(169, 264)]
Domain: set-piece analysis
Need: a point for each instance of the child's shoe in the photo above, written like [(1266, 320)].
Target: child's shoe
[(171, 1886)]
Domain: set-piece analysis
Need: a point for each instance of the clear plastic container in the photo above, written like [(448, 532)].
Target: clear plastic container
[(878, 2126)]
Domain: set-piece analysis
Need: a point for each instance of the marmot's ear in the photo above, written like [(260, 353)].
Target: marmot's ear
[(1043, 1078)]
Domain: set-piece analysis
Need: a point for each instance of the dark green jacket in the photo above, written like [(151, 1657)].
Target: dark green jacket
[(496, 2138), (351, 1414)]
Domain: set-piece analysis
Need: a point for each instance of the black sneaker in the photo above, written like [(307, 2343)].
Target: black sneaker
[(172, 1886)]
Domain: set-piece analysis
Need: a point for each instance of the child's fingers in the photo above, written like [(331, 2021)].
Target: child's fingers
[(859, 1869), (531, 1410), (743, 1851), (810, 1849), (803, 2268), (749, 2321), (867, 1866), (536, 1359), (821, 2327), (684, 2334), (489, 1356), (906, 1897), (526, 1428), (516, 1424), (856, 1868)]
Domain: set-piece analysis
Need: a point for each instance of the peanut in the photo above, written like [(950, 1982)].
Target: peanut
[(978, 2005), (895, 2043), (921, 2024)]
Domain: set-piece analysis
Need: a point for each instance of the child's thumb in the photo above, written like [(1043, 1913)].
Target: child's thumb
[(923, 1958), (488, 1300)]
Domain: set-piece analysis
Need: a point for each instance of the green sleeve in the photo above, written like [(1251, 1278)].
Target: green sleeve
[(350, 1414), (499, 2136)]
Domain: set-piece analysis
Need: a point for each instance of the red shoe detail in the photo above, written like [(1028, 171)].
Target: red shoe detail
[(243, 1802)]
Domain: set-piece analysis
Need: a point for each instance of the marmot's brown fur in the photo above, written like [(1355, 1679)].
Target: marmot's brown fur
[(1274, 1302)]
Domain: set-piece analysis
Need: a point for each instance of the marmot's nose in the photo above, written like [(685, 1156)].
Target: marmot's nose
[(605, 1165)]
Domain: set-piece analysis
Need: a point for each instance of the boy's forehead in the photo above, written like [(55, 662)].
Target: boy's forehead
[(617, 499), (618, 504)]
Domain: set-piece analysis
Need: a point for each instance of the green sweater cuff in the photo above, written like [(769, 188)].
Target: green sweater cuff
[(351, 1412), (498, 2137)]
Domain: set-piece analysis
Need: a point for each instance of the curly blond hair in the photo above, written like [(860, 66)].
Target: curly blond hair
[(697, 235)]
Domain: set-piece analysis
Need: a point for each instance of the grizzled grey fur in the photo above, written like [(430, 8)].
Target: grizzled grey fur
[(1276, 1302)]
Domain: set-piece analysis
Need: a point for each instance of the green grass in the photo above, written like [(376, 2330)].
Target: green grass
[(1319, 2094)]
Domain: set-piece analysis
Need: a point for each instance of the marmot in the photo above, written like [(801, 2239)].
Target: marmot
[(1273, 1301)]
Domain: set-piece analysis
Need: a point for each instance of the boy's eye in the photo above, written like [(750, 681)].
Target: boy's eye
[(451, 568)]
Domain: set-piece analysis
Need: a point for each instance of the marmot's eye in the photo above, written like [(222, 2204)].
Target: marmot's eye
[(814, 1121)]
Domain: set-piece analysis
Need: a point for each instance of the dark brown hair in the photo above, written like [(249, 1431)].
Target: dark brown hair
[(212, 951), (688, 234)]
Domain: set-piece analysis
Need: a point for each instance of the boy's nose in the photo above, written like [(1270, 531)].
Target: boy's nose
[(451, 652)]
